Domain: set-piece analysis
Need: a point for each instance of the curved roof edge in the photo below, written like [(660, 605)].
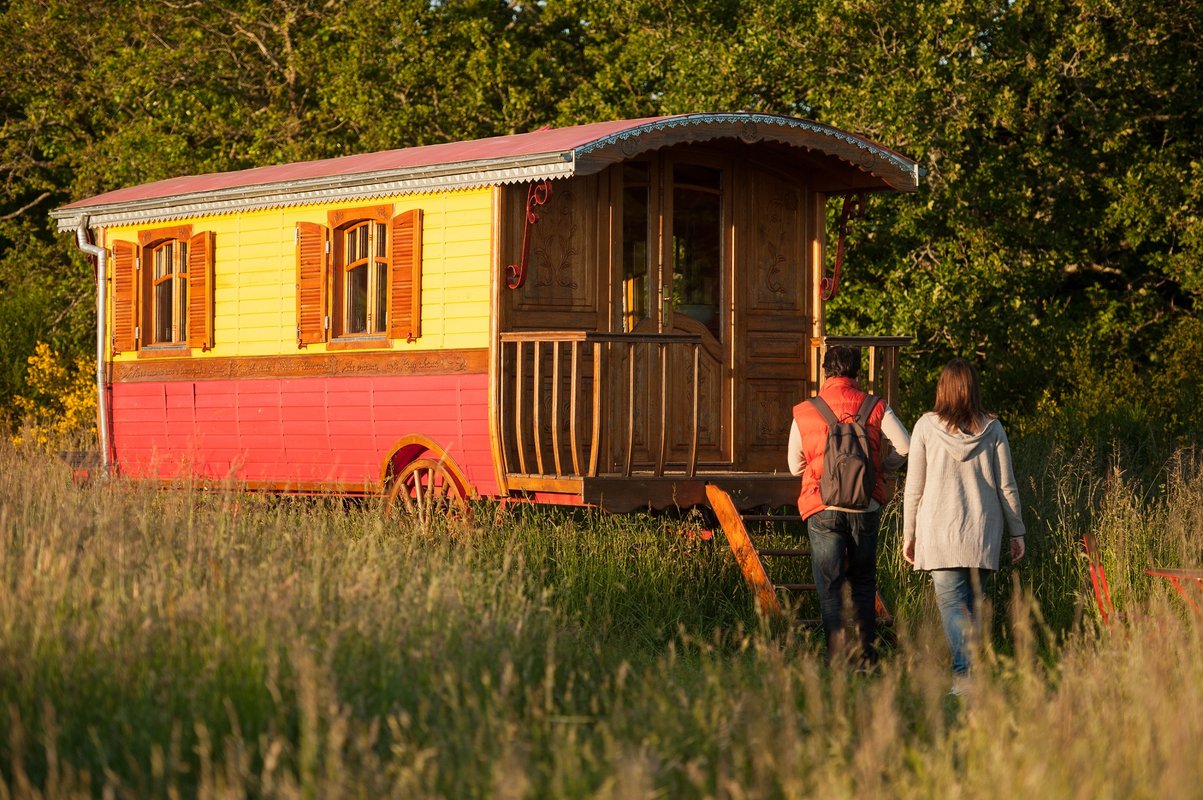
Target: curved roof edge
[(547, 153), (896, 170)]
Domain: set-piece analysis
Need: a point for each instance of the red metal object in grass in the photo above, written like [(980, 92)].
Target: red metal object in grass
[(1182, 580), (1098, 579)]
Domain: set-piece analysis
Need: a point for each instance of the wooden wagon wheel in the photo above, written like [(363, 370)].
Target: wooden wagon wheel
[(426, 491)]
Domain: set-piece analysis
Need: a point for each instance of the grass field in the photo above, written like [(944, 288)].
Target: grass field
[(192, 643)]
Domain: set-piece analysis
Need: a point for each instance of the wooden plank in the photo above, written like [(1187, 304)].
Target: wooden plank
[(537, 404), (630, 407), (662, 351), (519, 368), (697, 383), (595, 436), (573, 416), (745, 552), (555, 405), (544, 483), (785, 552)]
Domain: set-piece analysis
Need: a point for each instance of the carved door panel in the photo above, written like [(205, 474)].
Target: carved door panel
[(776, 320), (713, 393)]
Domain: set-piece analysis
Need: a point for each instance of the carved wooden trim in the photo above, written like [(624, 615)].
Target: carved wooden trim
[(341, 216), (440, 362), (181, 232)]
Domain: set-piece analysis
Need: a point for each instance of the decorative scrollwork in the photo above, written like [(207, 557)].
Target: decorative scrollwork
[(854, 208), (538, 194)]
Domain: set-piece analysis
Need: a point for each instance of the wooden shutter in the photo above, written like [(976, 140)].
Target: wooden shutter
[(312, 253), (200, 290), (125, 296), (405, 282)]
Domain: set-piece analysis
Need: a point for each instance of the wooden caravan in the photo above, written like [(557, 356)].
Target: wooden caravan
[(609, 314)]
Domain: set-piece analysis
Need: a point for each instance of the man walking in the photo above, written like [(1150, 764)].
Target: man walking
[(843, 521)]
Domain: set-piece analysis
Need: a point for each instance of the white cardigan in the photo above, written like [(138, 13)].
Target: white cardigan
[(960, 490)]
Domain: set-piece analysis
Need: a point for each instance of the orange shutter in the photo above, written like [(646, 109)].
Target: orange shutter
[(312, 249), (125, 296), (200, 290), (405, 289)]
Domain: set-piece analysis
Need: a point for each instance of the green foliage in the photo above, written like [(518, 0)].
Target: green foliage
[(1057, 237)]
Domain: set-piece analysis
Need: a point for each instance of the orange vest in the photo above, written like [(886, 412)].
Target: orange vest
[(844, 396)]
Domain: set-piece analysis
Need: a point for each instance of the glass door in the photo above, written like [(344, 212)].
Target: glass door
[(675, 276)]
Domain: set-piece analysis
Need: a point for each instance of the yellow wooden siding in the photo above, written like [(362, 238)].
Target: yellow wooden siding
[(255, 305)]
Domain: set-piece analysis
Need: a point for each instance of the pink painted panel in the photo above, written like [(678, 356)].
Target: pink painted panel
[(334, 431)]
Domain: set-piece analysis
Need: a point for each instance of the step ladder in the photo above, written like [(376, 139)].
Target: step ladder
[(751, 558)]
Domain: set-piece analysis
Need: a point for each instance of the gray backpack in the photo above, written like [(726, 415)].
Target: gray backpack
[(848, 475)]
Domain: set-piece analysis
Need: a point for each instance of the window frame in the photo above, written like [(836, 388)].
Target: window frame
[(136, 312), (321, 278), (341, 223), (146, 315)]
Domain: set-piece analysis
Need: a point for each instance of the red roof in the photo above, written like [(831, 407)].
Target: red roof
[(548, 140), (857, 164)]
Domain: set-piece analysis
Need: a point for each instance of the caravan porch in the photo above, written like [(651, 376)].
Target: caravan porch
[(613, 419)]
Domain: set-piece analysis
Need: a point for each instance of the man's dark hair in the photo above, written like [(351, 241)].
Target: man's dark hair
[(841, 361)]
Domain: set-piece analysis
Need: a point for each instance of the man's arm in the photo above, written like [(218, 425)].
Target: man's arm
[(900, 441), (795, 456)]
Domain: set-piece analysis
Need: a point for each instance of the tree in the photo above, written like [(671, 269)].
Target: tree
[(1056, 238)]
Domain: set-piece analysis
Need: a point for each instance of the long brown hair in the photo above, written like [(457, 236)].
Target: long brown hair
[(959, 398)]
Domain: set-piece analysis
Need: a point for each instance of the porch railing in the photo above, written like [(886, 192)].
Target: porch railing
[(566, 398), (881, 371)]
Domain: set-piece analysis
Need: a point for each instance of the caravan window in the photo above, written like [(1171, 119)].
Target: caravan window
[(169, 292), (364, 272)]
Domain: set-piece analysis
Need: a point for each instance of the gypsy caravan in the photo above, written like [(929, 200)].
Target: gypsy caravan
[(613, 314)]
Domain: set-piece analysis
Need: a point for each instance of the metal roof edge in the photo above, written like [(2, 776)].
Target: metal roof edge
[(360, 186), (899, 162)]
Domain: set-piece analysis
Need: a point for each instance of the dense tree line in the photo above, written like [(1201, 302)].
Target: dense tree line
[(1057, 238)]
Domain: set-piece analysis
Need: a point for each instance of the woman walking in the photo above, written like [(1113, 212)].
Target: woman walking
[(960, 491)]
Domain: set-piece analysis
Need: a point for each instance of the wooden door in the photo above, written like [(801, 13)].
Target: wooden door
[(674, 276)]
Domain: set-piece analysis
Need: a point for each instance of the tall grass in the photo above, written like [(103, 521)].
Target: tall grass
[(194, 643)]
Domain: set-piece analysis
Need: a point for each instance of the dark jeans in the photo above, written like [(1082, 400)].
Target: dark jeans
[(843, 548)]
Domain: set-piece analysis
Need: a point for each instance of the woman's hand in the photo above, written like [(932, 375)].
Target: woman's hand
[(1018, 548), (908, 552)]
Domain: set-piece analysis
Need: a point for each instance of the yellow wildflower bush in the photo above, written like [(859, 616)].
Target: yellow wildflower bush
[(60, 402)]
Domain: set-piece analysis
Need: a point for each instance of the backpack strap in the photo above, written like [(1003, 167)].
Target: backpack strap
[(866, 410), (862, 416), (824, 410)]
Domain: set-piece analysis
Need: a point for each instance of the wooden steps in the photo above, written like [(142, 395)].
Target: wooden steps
[(751, 558)]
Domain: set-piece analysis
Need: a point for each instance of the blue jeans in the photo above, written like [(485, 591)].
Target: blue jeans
[(843, 550), (958, 594)]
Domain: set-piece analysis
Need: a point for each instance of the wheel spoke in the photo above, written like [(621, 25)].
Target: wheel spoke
[(425, 491)]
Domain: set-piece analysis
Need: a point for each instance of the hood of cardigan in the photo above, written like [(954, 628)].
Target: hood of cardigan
[(963, 446)]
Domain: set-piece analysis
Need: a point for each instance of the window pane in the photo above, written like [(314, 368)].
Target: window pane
[(163, 310), (380, 310), (357, 299), (162, 261), (182, 311), (381, 240), (362, 231), (636, 287), (697, 246)]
